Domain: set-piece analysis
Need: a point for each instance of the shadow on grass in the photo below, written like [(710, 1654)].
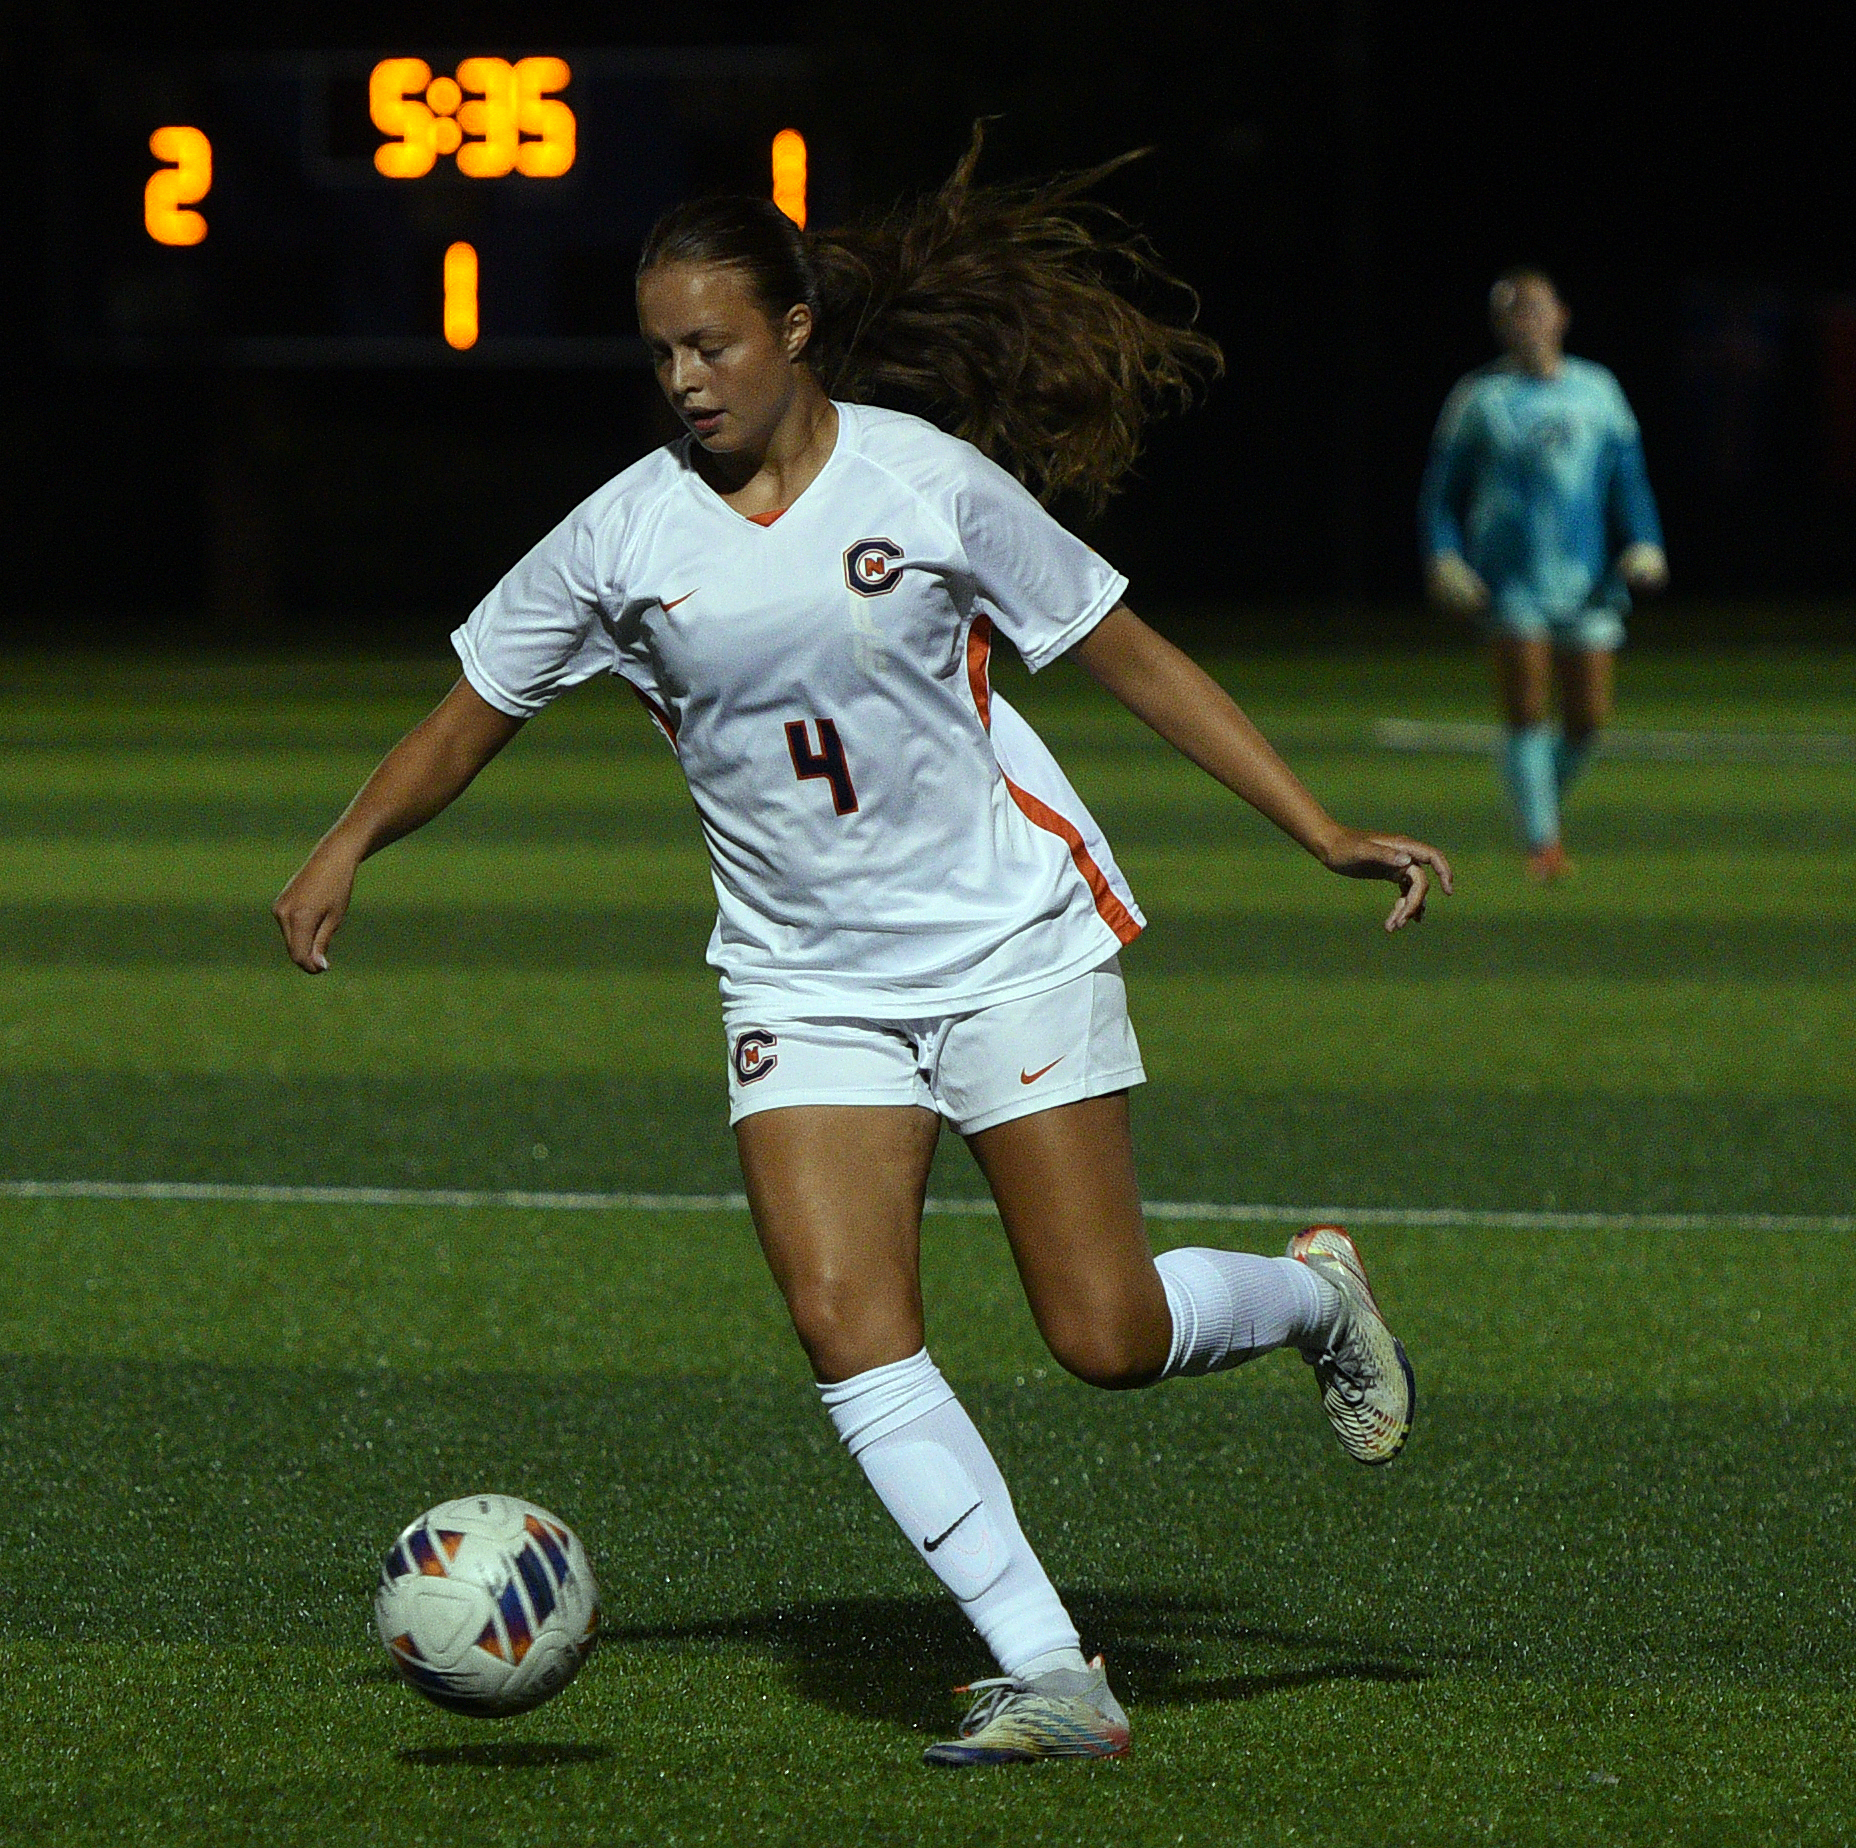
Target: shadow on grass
[(896, 1658), (503, 1755), (1254, 1687)]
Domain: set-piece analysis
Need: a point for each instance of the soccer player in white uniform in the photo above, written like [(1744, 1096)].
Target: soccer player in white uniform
[(1536, 518), (917, 920)]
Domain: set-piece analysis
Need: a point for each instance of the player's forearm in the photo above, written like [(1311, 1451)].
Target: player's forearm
[(413, 783), (1440, 530), (423, 774), (1633, 502), (1198, 718)]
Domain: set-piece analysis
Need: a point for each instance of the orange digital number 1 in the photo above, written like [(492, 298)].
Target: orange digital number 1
[(169, 189), (789, 174), (461, 296)]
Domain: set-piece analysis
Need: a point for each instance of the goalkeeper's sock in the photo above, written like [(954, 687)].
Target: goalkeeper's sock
[(1230, 1306), (934, 1474), (1528, 772), (1570, 756)]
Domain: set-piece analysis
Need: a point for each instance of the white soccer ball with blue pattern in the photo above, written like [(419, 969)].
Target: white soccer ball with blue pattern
[(487, 1605)]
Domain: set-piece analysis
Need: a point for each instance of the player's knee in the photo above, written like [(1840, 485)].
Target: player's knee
[(824, 1318), (1110, 1348), (846, 1328)]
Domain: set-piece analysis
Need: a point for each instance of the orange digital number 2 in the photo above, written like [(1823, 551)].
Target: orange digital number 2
[(185, 183)]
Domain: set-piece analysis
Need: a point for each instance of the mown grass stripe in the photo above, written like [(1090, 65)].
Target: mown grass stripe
[(1245, 1213)]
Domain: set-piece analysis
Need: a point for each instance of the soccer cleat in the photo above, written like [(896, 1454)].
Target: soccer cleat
[(1366, 1385), (1064, 1714), (1549, 865)]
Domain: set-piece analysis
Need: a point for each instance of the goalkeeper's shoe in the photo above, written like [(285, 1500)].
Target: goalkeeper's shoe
[(1366, 1386), (1068, 1713), (1548, 865)]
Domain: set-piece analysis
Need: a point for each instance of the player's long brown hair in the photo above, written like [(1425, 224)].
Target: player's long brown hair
[(1000, 313)]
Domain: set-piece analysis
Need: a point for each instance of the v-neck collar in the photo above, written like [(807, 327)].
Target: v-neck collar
[(761, 521)]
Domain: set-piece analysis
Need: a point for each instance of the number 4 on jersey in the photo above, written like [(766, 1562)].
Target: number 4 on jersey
[(827, 761)]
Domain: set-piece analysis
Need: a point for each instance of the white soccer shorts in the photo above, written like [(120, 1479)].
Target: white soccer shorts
[(975, 1069)]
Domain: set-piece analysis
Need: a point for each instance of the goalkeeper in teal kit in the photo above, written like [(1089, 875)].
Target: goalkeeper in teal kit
[(1537, 520)]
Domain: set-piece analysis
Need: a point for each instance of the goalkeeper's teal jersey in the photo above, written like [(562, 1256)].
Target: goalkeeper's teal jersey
[(1539, 483)]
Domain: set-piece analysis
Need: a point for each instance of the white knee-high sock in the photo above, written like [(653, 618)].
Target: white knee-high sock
[(1229, 1306), (933, 1472)]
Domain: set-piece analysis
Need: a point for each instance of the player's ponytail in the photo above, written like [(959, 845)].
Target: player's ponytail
[(996, 312)]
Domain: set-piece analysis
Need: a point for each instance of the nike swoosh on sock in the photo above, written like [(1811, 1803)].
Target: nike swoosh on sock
[(928, 1546)]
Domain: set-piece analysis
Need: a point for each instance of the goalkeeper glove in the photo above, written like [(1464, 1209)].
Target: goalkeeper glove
[(1643, 567), (1454, 585)]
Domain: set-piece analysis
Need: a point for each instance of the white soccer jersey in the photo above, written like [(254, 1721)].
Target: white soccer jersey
[(889, 839)]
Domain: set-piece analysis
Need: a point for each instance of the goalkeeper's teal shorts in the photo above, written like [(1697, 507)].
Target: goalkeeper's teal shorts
[(1595, 629)]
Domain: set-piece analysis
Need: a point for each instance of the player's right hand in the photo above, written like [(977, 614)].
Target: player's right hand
[(310, 909), (1454, 585)]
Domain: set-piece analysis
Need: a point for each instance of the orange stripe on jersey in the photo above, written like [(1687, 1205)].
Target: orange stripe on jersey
[(979, 654), (766, 519), (659, 717), (1113, 912)]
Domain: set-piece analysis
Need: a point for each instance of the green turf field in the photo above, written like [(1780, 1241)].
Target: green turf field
[(1604, 1597)]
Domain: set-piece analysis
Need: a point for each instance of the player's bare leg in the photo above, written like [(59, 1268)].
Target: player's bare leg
[(836, 1192), (1523, 677), (1524, 683), (1587, 684), (1115, 1316), (1065, 1185), (1587, 679)]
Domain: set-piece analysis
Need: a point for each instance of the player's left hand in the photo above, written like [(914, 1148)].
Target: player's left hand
[(1644, 567), (1409, 864)]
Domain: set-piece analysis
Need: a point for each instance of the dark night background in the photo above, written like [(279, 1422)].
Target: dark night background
[(1339, 180)]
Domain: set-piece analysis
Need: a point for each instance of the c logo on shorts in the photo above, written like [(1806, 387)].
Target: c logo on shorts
[(754, 1054), (869, 568)]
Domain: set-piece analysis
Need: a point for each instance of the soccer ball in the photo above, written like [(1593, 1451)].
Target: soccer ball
[(487, 1605)]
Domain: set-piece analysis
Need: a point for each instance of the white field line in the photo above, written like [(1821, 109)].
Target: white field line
[(1445, 1217), (1685, 747)]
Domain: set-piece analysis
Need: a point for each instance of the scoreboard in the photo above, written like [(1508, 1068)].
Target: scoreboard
[(414, 205)]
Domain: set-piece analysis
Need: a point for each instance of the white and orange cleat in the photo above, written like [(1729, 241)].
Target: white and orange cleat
[(1366, 1385), (1068, 1713)]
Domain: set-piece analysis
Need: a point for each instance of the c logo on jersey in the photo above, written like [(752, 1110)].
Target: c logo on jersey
[(754, 1054), (870, 568)]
